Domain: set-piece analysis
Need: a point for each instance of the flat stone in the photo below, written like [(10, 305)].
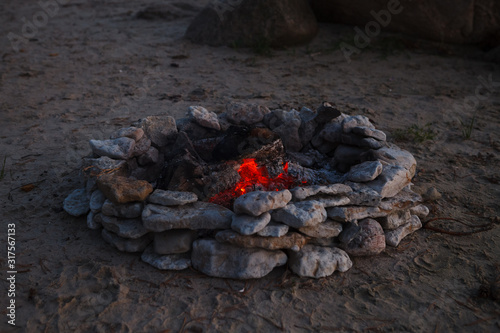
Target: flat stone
[(97, 199), (258, 202), (327, 229), (293, 241), (125, 244), (405, 199), (359, 141), (327, 201), (121, 148), (300, 214), (128, 210), (126, 228), (394, 237), (369, 241), (172, 198), (94, 167), (121, 189), (274, 230), (174, 241), (394, 155), (245, 114), (161, 130), (203, 117), (391, 181), (351, 213), (369, 132), (249, 225), (355, 121), (228, 261), (421, 211), (141, 147), (365, 172), (198, 215), (395, 220), (129, 132), (77, 203), (363, 195), (317, 262), (304, 192), (172, 262), (91, 221), (151, 156)]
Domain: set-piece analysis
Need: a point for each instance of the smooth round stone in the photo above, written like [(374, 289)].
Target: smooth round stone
[(77, 203)]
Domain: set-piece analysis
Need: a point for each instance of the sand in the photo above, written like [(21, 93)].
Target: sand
[(94, 68)]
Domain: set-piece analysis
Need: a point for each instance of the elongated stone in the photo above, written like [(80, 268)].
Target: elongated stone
[(198, 215), (95, 167), (203, 117), (248, 225), (421, 211), (77, 203), (126, 244), (317, 262), (405, 199), (391, 181), (228, 261), (292, 240), (172, 198), (126, 228), (359, 141), (303, 192), (96, 201), (127, 210), (258, 202), (274, 229), (174, 241), (120, 189), (173, 262), (350, 213), (327, 201), (369, 132), (394, 155), (394, 237), (91, 221), (365, 172), (369, 241), (327, 229), (121, 148), (301, 214), (395, 219)]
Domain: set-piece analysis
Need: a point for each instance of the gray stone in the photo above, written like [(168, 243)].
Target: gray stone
[(289, 130), (121, 148), (172, 262), (421, 211), (274, 230), (126, 228), (121, 189), (363, 195), (369, 132), (391, 181), (303, 192), (394, 237), (365, 172), (174, 241), (96, 201), (359, 141), (125, 244), (228, 261), (326, 229), (395, 219), (129, 132), (245, 114), (308, 125), (172, 198), (91, 222), (351, 213), (93, 167), (355, 121), (141, 147), (327, 201), (394, 155), (258, 202), (405, 199), (161, 130), (126, 210), (77, 203), (198, 215), (369, 241), (292, 241), (300, 214), (203, 117), (149, 157), (432, 194), (248, 225), (317, 262)]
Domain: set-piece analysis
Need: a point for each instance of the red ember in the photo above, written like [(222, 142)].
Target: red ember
[(254, 178)]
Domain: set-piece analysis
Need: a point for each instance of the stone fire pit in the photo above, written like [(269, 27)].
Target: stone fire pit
[(158, 188)]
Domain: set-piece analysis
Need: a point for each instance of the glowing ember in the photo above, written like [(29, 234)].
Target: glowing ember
[(254, 178)]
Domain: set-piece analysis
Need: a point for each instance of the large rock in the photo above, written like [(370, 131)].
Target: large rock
[(369, 241), (317, 262), (121, 148), (121, 189), (174, 241), (258, 202), (175, 262), (248, 225), (161, 130), (257, 23), (463, 21), (293, 241), (228, 261), (301, 214), (199, 215), (77, 203)]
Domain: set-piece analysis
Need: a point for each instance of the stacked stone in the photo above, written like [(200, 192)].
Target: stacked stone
[(314, 228)]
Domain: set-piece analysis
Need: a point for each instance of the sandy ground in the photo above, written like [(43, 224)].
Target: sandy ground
[(94, 68)]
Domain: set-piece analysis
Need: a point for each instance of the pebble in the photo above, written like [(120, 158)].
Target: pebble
[(97, 199), (245, 114), (248, 225), (327, 229), (317, 262), (126, 228), (395, 219), (121, 189), (258, 202), (304, 192), (365, 172), (172, 198), (292, 240), (121, 148), (203, 117), (129, 132), (394, 237), (300, 214), (127, 210), (369, 241), (172, 262), (228, 261), (174, 241), (125, 244), (198, 215), (77, 203), (432, 194), (161, 130), (274, 229)]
